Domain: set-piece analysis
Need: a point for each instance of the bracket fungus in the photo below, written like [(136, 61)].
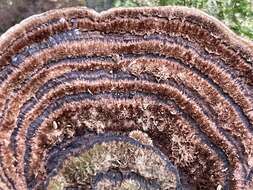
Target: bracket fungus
[(137, 98)]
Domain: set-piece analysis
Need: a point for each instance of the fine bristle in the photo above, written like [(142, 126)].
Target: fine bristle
[(139, 98)]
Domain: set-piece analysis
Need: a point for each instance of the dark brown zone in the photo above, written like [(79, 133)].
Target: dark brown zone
[(231, 90), (196, 96), (246, 70), (198, 35), (137, 73), (198, 118), (119, 124), (22, 95), (223, 80)]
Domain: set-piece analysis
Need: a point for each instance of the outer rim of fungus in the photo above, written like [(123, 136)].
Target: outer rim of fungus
[(227, 32), (225, 145)]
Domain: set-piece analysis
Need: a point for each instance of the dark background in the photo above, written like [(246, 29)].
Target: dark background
[(13, 11)]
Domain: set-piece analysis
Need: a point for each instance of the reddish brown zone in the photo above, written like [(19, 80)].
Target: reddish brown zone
[(205, 33), (111, 115)]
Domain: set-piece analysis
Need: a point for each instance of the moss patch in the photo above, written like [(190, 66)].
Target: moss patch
[(78, 171)]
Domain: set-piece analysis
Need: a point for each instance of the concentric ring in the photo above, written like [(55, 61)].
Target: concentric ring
[(170, 82)]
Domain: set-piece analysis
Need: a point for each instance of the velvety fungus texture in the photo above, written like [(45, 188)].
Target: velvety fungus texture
[(127, 99)]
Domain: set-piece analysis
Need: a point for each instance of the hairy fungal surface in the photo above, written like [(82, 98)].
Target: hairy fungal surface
[(127, 99)]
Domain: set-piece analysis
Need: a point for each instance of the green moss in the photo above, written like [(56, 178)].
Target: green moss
[(127, 184), (80, 170), (57, 183)]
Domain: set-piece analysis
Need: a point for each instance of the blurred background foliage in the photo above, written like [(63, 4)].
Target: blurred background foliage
[(237, 14)]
